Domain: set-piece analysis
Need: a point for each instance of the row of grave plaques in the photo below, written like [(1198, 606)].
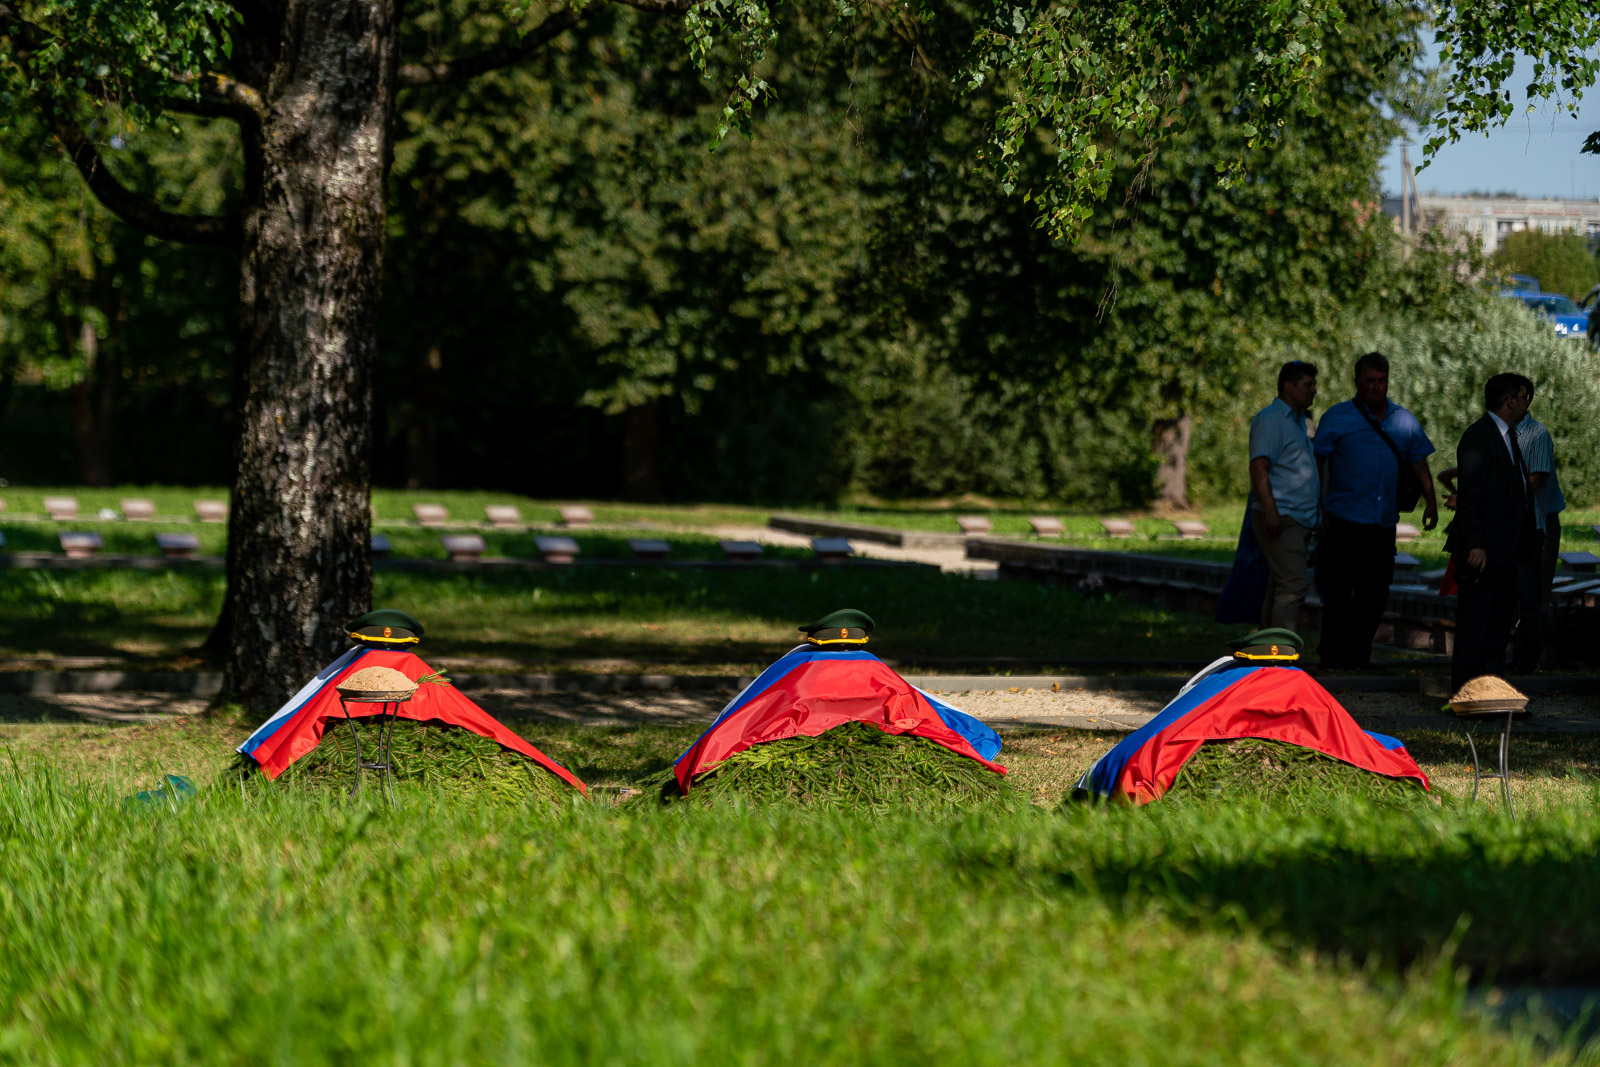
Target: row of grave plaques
[(467, 548), (1046, 526), (1188, 529), (500, 515), (134, 509)]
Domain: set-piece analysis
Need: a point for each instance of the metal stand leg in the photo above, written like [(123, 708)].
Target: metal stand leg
[(387, 715), (1505, 762), (356, 734), (1466, 729)]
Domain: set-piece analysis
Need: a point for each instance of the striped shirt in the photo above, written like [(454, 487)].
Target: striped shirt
[(1539, 453)]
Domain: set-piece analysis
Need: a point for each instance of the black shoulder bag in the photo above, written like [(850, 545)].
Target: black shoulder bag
[(1408, 491)]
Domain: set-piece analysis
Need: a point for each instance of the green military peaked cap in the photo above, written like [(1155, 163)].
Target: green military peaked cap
[(386, 628), (1274, 643), (846, 626)]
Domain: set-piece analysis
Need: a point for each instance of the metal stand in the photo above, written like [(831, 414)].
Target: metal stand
[(1469, 727), (387, 714)]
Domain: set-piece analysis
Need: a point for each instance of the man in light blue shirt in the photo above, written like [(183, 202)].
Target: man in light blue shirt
[(1362, 445), (1535, 576), (1284, 491)]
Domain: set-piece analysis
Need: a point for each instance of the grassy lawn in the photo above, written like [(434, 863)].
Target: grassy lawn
[(275, 927), (732, 621)]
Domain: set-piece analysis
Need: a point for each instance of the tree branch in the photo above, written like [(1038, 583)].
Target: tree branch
[(222, 95), (134, 209), (456, 70), (662, 7)]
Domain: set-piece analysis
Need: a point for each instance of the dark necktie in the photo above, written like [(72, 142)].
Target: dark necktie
[(1516, 457)]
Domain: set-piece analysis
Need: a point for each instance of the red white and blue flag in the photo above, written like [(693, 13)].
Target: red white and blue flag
[(1275, 703), (808, 692), (298, 726)]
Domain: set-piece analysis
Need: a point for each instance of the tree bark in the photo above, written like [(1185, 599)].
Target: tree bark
[(310, 267), (641, 452), (1172, 461), (94, 407)]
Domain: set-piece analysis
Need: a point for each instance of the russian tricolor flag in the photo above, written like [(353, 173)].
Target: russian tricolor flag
[(809, 691), (1273, 703), (298, 726)]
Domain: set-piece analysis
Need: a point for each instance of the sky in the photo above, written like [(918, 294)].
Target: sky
[(1532, 155)]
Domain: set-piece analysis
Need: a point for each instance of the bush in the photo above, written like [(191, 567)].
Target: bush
[(1439, 362), (1439, 367)]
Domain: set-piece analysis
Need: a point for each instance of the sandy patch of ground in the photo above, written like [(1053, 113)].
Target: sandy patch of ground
[(1075, 709)]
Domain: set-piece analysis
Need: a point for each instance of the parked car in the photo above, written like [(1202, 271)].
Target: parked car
[(1518, 284), (1591, 304), (1570, 320)]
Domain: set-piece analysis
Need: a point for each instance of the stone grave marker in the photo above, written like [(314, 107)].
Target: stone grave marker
[(740, 551), (557, 549), (61, 508), (462, 548), (431, 514), (79, 544), (211, 510), (832, 549), (178, 545), (649, 548)]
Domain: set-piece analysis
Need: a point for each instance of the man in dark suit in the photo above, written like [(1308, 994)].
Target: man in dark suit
[(1493, 530)]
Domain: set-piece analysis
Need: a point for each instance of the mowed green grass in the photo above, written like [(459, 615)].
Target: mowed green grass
[(723, 620), (267, 926)]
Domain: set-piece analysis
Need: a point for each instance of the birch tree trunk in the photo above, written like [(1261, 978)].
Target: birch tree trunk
[(310, 265)]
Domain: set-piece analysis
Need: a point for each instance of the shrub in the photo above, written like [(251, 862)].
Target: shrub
[(1561, 261), (1439, 361)]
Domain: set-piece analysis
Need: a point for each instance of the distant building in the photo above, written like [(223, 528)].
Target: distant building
[(1488, 219)]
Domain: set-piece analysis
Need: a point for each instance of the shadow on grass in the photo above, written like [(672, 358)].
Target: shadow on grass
[(677, 615), (1513, 902), (612, 755), (1532, 755)]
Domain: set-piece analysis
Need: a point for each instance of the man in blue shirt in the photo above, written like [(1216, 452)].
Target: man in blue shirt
[(1283, 493), (1361, 445), (1533, 585)]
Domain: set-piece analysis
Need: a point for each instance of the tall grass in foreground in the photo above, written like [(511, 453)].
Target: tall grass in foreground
[(280, 929)]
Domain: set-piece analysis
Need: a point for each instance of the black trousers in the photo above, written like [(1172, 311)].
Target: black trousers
[(1532, 589), (1485, 608), (1355, 564)]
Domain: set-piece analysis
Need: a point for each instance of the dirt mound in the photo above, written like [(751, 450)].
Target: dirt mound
[(1486, 687)]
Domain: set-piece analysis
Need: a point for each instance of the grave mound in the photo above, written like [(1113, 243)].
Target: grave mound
[(852, 765), (428, 755), (1282, 774)]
